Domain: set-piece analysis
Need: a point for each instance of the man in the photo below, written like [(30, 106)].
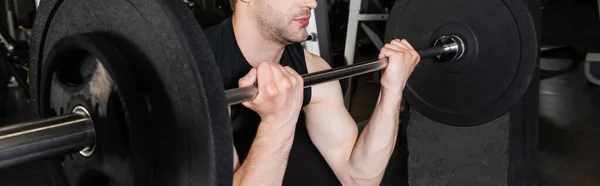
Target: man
[(290, 135)]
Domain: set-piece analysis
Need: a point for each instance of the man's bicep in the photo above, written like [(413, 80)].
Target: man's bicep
[(330, 127)]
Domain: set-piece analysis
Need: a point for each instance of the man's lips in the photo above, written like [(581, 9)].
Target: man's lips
[(303, 21)]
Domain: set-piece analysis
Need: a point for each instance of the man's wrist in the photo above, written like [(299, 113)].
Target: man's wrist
[(277, 128), (393, 92), (390, 99), (276, 122)]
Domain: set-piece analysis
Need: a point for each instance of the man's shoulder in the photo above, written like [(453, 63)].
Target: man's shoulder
[(217, 37), (315, 63), (214, 32), (328, 93)]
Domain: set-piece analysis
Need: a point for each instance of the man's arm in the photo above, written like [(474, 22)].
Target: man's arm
[(267, 159), (356, 160), (278, 104)]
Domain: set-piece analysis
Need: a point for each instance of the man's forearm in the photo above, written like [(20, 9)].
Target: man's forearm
[(267, 159), (376, 143)]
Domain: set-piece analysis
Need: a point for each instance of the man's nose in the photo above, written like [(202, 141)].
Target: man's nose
[(312, 4)]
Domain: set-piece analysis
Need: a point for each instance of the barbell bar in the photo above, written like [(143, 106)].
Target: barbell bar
[(452, 46), (35, 140)]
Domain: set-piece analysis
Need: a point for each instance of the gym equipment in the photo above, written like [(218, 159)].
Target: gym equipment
[(450, 47), (161, 120), (503, 151), (70, 89), (318, 42), (504, 50), (354, 17), (568, 56), (45, 138), (16, 19), (141, 73), (592, 68)]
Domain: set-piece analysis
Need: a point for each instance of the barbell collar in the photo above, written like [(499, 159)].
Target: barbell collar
[(46, 138), (451, 46)]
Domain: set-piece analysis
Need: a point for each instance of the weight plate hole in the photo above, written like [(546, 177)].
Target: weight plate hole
[(76, 69)]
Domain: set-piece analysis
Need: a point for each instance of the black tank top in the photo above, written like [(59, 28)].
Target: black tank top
[(306, 166)]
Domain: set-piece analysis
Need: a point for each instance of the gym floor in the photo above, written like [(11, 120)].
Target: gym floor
[(569, 105)]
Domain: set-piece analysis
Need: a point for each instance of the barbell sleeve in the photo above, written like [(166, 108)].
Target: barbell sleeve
[(243, 94), (36, 140)]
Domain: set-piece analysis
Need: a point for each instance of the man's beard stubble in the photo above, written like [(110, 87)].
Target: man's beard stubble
[(275, 25)]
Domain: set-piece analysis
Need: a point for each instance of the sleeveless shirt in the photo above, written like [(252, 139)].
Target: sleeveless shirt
[(306, 166)]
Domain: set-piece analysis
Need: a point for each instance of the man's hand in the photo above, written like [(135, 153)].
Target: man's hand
[(402, 60), (280, 92), (278, 103)]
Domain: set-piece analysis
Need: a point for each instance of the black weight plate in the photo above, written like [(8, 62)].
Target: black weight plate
[(186, 128), (87, 70), (496, 69)]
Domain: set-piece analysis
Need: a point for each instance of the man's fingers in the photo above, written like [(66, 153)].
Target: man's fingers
[(248, 79), (281, 81), (293, 81), (416, 55), (266, 79), (295, 74), (407, 44), (284, 71), (277, 75), (385, 52), (248, 104), (392, 46), (401, 43), (405, 48)]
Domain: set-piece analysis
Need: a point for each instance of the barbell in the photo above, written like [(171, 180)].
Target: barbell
[(128, 92), (58, 135), (445, 48)]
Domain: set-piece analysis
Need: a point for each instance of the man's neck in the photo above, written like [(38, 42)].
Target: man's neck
[(256, 47)]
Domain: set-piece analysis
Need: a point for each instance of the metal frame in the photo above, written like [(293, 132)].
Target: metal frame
[(312, 44), (9, 18), (354, 18), (589, 72), (319, 30)]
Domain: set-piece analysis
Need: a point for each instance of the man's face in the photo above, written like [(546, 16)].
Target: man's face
[(284, 20)]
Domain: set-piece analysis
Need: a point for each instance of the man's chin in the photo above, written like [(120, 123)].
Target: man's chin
[(303, 35), (297, 38), (300, 39)]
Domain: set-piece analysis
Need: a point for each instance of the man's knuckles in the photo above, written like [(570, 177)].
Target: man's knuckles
[(271, 90), (285, 84), (293, 81), (413, 54), (388, 46), (397, 43)]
